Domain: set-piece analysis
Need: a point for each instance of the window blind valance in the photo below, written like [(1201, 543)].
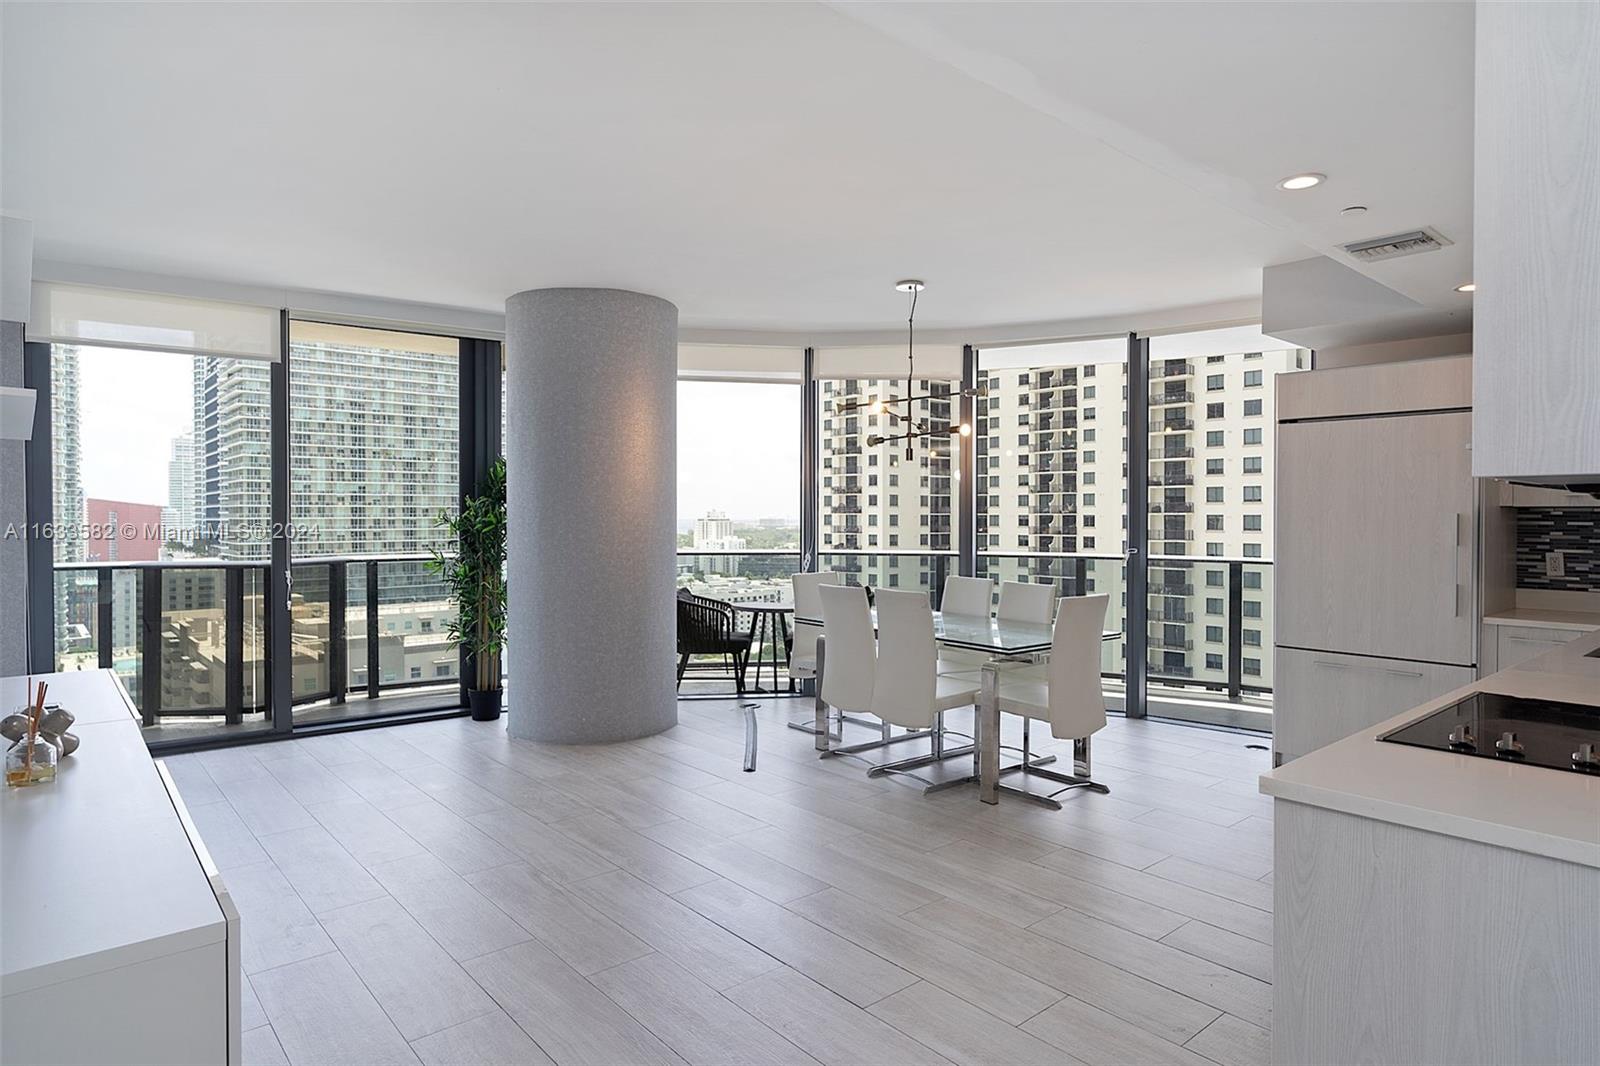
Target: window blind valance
[(119, 318), (747, 362), (935, 362)]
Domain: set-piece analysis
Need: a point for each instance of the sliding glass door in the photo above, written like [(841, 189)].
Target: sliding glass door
[(375, 447)]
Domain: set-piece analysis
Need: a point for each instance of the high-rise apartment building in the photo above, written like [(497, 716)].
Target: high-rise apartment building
[(872, 498), (180, 510), (374, 450), (66, 455), (713, 531), (232, 455), (879, 510), (1053, 474)]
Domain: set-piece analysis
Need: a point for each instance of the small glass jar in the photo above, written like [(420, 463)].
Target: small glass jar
[(31, 762)]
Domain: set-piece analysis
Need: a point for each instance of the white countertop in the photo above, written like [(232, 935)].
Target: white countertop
[(1528, 808), (1538, 618), (96, 870)]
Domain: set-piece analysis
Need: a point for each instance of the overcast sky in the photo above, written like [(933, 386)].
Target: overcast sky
[(738, 444), (130, 406), (738, 450)]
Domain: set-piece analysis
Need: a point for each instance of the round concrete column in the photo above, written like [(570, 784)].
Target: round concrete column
[(591, 467)]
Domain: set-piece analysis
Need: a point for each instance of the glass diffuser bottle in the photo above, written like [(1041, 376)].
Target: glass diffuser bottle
[(31, 761)]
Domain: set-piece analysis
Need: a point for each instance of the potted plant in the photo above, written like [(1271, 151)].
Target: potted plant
[(475, 577)]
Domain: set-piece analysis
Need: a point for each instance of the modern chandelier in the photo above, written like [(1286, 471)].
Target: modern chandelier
[(915, 428)]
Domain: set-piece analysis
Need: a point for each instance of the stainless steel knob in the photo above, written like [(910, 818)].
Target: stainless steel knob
[(1461, 738), (1586, 757), (1508, 744)]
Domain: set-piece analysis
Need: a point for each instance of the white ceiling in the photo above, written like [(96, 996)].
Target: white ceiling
[(765, 167)]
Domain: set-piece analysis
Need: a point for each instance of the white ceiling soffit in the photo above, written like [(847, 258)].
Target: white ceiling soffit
[(768, 168)]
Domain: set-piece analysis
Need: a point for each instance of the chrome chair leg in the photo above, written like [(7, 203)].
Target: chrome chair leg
[(937, 754), (1079, 779)]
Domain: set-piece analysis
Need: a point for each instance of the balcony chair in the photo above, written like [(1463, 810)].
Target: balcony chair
[(706, 627), (1069, 697), (850, 666)]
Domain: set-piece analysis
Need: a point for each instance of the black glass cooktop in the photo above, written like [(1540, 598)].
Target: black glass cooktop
[(1559, 736)]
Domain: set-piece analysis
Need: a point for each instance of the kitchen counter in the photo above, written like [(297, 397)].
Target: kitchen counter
[(1542, 619), (1529, 809)]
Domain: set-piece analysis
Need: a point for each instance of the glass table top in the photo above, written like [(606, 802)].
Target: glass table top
[(979, 633)]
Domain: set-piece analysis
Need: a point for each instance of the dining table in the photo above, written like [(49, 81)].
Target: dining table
[(1003, 642), (769, 636)]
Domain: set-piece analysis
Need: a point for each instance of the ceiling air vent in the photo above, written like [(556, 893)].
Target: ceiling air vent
[(1400, 244)]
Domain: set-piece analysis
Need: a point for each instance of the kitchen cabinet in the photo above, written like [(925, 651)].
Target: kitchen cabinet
[(1324, 696), (1536, 253), (1509, 641), (119, 941)]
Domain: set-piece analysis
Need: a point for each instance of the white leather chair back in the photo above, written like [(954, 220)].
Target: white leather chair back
[(907, 678), (1026, 601), (807, 604), (966, 595), (1077, 704), (852, 655)]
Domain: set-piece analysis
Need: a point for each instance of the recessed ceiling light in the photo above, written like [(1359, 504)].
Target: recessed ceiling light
[(1354, 209), (1296, 182), (1468, 287)]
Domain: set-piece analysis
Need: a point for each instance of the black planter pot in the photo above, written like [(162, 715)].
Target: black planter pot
[(485, 705)]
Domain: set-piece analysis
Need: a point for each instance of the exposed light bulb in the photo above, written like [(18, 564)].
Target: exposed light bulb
[(1468, 287), (966, 429), (876, 407)]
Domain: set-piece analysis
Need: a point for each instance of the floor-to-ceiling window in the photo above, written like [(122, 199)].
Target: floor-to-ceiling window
[(160, 505), (1052, 473), (739, 497), (374, 463), (1211, 539)]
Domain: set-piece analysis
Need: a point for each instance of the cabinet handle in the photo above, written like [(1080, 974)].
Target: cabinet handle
[(1535, 640), (1363, 666), (1455, 565)]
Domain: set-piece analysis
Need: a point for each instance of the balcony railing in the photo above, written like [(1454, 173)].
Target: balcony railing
[(1170, 397), (190, 637)]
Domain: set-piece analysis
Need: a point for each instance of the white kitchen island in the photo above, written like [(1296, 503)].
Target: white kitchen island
[(118, 943), (1431, 907)]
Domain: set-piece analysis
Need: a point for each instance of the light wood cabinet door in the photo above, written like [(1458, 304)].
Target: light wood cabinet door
[(1322, 697), (1536, 241), (1518, 644), (1376, 535)]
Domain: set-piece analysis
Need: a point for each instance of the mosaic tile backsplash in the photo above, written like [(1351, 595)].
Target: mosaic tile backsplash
[(1575, 532)]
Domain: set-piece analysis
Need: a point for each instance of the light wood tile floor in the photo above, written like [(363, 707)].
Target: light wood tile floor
[(443, 894)]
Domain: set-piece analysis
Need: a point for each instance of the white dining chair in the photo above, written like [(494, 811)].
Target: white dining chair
[(1069, 698), (908, 690), (1027, 601), (968, 596), (849, 668), (808, 604)]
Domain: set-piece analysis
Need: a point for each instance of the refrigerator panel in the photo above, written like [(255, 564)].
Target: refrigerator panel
[(1375, 535)]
